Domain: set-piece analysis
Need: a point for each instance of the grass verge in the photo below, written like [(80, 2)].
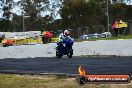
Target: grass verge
[(111, 38), (118, 37), (37, 81)]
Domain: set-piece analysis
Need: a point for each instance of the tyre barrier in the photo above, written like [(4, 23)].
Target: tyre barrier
[(8, 42), (54, 40)]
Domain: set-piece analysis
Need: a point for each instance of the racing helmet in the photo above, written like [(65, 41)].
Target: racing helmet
[(67, 32)]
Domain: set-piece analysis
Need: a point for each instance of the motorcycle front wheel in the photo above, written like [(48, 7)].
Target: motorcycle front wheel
[(69, 55), (58, 55)]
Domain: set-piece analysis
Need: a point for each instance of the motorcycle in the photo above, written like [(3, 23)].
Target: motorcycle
[(64, 48)]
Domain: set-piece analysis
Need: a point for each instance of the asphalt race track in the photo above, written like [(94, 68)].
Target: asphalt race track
[(92, 65)]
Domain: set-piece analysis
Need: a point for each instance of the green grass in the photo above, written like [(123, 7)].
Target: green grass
[(111, 38), (118, 37), (36, 81)]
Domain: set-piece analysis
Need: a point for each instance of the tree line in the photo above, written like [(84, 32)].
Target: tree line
[(78, 15)]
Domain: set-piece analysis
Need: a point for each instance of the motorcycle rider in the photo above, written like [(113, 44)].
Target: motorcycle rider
[(64, 36)]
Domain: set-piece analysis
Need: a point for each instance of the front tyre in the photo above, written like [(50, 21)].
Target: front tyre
[(69, 55), (58, 55)]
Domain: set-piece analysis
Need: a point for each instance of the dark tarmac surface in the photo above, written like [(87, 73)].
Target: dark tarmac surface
[(92, 65)]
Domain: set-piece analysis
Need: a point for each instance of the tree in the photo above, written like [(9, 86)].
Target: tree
[(117, 11), (4, 25), (79, 14), (34, 8), (5, 21)]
